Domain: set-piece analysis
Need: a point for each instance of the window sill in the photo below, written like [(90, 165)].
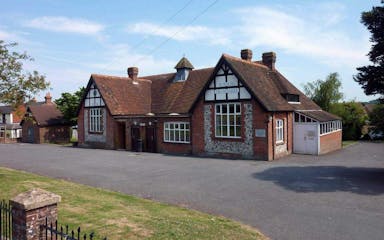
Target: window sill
[(176, 142), (279, 143), (96, 133)]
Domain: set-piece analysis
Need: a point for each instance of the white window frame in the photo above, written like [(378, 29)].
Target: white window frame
[(96, 118), (279, 130), (177, 132), (330, 127), (225, 125)]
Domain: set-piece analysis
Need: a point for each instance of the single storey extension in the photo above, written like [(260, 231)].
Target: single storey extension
[(239, 108)]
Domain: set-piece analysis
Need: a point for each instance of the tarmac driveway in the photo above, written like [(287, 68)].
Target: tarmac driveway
[(337, 196)]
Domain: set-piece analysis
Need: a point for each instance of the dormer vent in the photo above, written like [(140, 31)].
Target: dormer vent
[(183, 67)]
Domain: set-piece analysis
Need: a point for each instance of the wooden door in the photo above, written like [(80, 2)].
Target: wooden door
[(120, 136), (150, 139), (135, 136)]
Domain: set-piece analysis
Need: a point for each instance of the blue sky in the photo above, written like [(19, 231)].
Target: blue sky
[(70, 40)]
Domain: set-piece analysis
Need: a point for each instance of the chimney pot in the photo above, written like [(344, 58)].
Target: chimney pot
[(246, 54), (133, 72), (269, 59)]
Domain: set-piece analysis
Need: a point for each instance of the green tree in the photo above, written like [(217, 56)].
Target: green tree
[(376, 117), (353, 118), (17, 85), (69, 103), (371, 77), (325, 93)]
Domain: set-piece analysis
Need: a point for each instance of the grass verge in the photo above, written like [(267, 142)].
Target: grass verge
[(120, 216), (349, 143)]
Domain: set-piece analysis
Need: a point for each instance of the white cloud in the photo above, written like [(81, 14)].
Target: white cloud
[(301, 35), (118, 57), (64, 24), (182, 33), (5, 35)]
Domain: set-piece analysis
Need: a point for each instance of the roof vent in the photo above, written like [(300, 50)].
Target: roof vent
[(246, 54)]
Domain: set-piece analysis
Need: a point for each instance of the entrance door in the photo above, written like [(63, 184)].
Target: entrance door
[(135, 137), (31, 135), (305, 138), (150, 136), (120, 138)]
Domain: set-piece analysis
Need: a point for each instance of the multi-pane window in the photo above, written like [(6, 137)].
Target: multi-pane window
[(332, 126), (96, 120), (176, 132), (279, 131), (228, 120)]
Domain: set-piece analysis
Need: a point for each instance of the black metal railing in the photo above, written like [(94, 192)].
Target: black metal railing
[(5, 221), (53, 231)]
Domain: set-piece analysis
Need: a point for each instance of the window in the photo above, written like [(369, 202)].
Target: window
[(292, 98), (228, 120), (279, 131), (96, 124), (176, 132), (328, 127)]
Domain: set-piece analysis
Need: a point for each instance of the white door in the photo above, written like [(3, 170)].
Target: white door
[(305, 138)]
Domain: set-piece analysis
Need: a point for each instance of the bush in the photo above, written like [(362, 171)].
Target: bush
[(353, 118)]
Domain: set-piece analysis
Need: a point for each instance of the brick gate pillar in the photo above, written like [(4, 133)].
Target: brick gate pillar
[(29, 210)]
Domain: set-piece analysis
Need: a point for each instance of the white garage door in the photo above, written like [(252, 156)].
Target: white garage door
[(305, 138)]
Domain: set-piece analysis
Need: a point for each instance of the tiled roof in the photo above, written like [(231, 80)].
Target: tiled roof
[(320, 115), (268, 85), (159, 94), (17, 113), (46, 114), (123, 96), (177, 97), (184, 63)]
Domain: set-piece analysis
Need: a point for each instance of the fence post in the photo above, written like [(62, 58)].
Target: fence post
[(29, 211)]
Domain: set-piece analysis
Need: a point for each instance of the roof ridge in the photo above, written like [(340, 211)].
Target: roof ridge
[(254, 63), (118, 77)]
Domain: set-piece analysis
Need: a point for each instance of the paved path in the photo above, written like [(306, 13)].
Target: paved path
[(337, 196)]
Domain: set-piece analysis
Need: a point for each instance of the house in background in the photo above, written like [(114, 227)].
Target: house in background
[(239, 108), (44, 123), (10, 118)]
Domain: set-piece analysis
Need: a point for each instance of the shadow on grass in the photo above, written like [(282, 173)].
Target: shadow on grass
[(365, 181)]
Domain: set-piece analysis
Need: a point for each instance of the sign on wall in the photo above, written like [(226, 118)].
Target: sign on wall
[(226, 86)]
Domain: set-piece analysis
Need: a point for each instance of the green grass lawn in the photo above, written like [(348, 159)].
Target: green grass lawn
[(120, 216), (348, 143)]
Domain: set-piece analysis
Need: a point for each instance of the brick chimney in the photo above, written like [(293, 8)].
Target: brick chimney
[(133, 72), (269, 60), (48, 98), (246, 54)]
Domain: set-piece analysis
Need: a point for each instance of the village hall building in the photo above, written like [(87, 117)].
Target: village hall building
[(239, 108)]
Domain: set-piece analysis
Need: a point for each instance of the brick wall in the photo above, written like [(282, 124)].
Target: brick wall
[(261, 122), (97, 140), (176, 148), (197, 127), (80, 126), (285, 148), (28, 124), (330, 142), (54, 134)]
